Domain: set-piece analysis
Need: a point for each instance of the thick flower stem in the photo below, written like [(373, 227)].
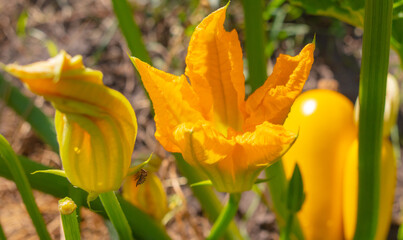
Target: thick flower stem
[(116, 215), (225, 217), (254, 33), (374, 69)]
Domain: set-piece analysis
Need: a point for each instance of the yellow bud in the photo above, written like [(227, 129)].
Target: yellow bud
[(67, 206), (96, 126), (150, 196)]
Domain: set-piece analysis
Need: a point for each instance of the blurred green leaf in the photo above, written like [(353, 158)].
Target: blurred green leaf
[(52, 48), (8, 156), (25, 107), (22, 23), (2, 235), (352, 12), (349, 11)]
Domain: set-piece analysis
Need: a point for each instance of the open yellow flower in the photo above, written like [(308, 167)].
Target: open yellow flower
[(209, 121), (96, 126)]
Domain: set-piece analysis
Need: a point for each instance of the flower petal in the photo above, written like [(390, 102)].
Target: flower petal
[(96, 126), (233, 163), (272, 101), (262, 146), (215, 70), (173, 99)]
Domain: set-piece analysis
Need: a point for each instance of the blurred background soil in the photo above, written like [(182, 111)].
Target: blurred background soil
[(89, 28)]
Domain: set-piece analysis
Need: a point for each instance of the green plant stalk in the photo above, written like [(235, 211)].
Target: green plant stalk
[(286, 234), (374, 69), (2, 235), (24, 107), (116, 215), (254, 45), (225, 217), (278, 186), (130, 30), (206, 196), (69, 219), (8, 156)]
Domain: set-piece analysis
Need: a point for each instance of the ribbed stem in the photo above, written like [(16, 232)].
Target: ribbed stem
[(116, 215), (374, 69), (254, 44), (225, 217)]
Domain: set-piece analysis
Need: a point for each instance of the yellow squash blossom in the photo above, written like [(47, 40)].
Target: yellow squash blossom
[(96, 126), (208, 119)]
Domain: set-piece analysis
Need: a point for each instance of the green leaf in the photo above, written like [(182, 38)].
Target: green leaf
[(130, 30), (25, 107), (295, 196), (202, 183), (56, 172), (135, 169), (17, 172), (22, 23), (349, 11), (143, 226)]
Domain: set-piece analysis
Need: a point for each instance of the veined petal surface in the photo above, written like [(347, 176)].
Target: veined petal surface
[(96, 126), (173, 99), (215, 70), (272, 101)]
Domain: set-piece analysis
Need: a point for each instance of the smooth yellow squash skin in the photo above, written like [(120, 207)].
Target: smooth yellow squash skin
[(326, 128), (149, 196)]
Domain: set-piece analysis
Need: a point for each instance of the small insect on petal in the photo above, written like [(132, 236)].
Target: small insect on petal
[(140, 177)]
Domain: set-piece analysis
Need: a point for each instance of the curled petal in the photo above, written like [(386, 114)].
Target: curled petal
[(272, 101), (215, 70)]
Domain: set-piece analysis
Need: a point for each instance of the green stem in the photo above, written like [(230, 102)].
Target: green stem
[(211, 205), (225, 217), (20, 179), (68, 213), (286, 234), (116, 215), (254, 45), (374, 69)]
